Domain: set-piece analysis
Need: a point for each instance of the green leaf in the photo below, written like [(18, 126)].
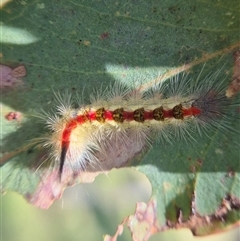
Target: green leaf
[(81, 45)]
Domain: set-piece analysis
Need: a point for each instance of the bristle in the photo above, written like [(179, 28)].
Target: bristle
[(175, 110)]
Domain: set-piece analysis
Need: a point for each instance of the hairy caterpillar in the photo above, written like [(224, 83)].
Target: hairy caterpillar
[(120, 115)]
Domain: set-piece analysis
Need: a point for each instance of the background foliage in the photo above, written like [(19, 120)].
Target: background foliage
[(78, 45)]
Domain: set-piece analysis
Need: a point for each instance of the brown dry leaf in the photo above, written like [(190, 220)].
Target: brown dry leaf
[(215, 223), (19, 71), (142, 224), (9, 78)]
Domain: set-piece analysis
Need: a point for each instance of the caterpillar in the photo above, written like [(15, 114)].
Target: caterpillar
[(120, 115)]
